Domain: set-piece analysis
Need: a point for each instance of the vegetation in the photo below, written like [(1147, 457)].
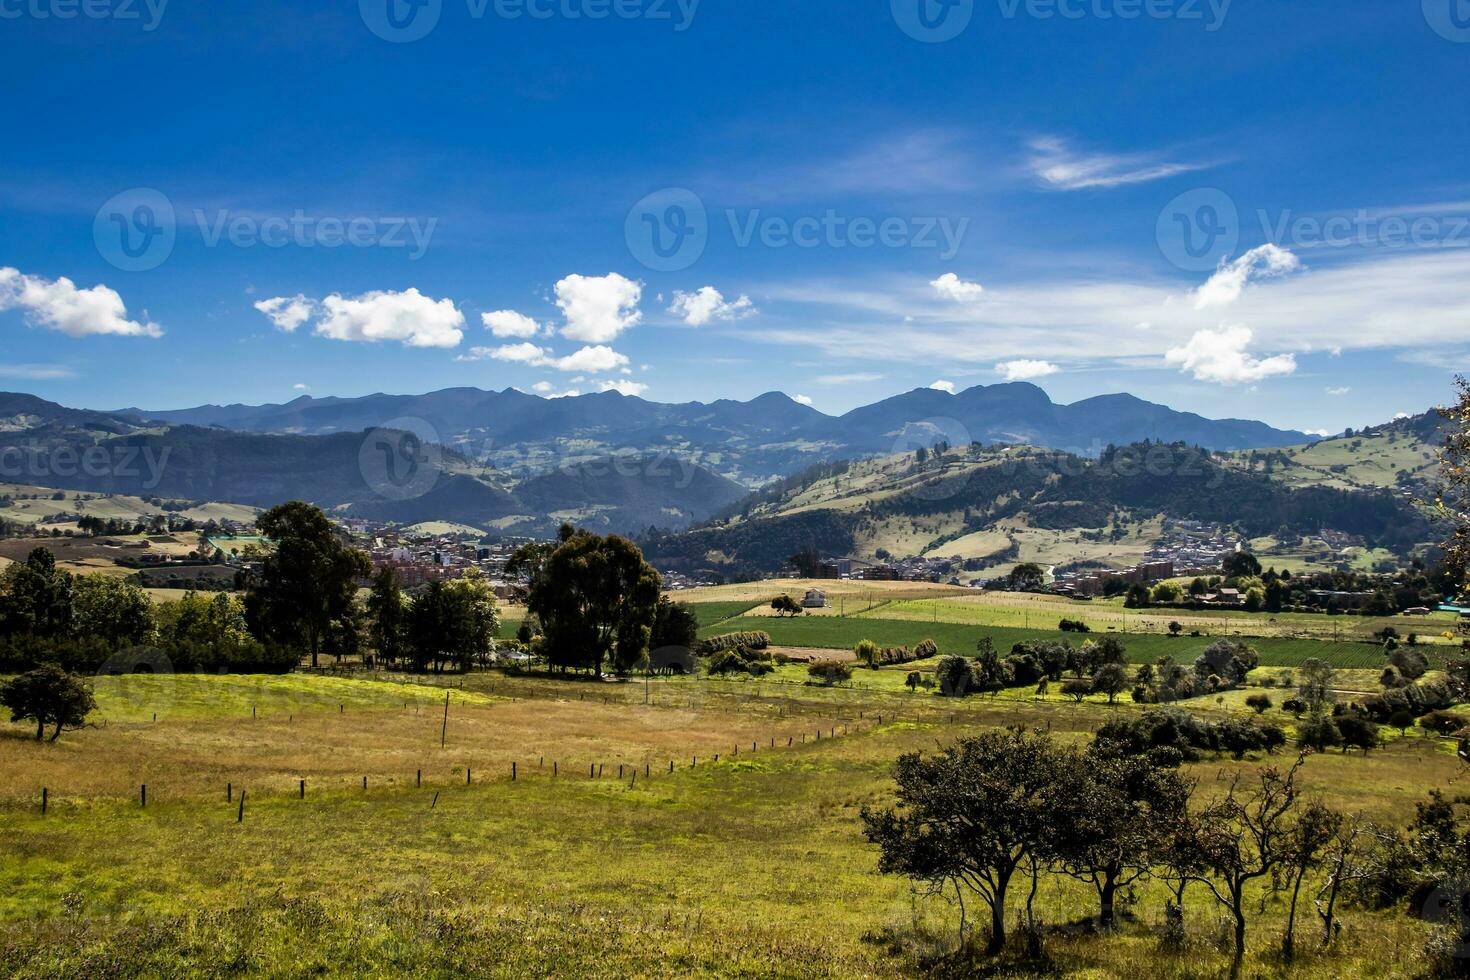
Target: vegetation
[(48, 695)]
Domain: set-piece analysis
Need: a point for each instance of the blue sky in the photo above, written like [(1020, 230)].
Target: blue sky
[(883, 208)]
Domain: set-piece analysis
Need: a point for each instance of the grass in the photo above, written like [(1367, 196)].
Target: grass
[(752, 866), (829, 632)]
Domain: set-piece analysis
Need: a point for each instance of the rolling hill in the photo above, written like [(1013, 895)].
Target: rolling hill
[(990, 509)]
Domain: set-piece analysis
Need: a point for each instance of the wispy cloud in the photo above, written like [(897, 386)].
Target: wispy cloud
[(36, 372), (1061, 167)]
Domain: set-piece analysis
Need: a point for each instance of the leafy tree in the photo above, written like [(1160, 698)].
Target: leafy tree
[(1316, 679), (307, 582), (1026, 577), (1259, 703), (1138, 597), (1230, 660), (454, 623), (36, 598), (954, 676), (1098, 653), (1175, 628), (113, 609), (1403, 720), (1110, 679), (972, 816), (784, 605), (1241, 564), (388, 612), (48, 695), (1077, 688), (597, 601), (913, 681), (1454, 499), (1112, 832), (867, 653), (674, 625)]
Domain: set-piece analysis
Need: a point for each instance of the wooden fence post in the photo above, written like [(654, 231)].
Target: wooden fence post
[(240, 816), (44, 795), (512, 772), (303, 789), (143, 794)]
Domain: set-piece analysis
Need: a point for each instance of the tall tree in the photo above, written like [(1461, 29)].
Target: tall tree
[(1454, 496), (307, 581), (36, 597), (388, 615), (597, 600)]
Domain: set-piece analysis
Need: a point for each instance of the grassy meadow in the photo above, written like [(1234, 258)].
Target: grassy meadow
[(752, 865)]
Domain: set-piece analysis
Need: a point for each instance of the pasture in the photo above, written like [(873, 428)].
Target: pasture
[(753, 865)]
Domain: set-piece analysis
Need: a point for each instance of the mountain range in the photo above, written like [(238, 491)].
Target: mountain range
[(751, 442), (511, 463)]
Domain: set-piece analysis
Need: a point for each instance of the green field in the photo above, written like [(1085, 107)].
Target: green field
[(829, 632)]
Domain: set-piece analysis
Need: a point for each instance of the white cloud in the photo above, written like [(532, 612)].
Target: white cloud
[(1401, 415), (593, 360), (1322, 433), (569, 393), (801, 399), (630, 388), (300, 387), (57, 304), (409, 317), (1220, 356), (36, 372), (945, 386), (1395, 302), (543, 387), (598, 308), (1226, 285), (951, 286), (706, 304), (1339, 392), (287, 312), (509, 323), (1060, 167), (1024, 369)]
